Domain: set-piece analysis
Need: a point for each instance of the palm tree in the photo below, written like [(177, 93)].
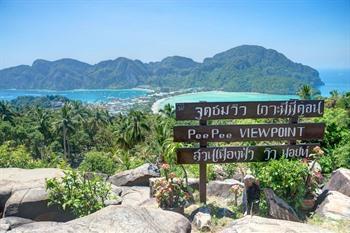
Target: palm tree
[(131, 129), (6, 112), (168, 111), (305, 92), (65, 125), (43, 119)]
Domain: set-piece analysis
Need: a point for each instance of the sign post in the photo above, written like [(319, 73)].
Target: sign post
[(204, 133)]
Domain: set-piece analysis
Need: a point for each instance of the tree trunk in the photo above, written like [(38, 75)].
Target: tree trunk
[(65, 142)]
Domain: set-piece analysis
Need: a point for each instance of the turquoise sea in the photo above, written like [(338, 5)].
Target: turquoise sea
[(87, 96), (220, 96)]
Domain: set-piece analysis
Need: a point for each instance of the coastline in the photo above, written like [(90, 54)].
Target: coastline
[(221, 96)]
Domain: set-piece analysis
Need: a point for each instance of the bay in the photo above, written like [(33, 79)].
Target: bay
[(84, 95)]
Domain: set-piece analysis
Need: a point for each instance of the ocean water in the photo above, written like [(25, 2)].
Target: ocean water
[(335, 80), (219, 96), (88, 96)]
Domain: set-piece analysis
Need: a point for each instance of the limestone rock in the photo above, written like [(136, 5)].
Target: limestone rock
[(278, 208), (135, 196), (336, 206), (222, 188), (12, 222), (32, 204), (135, 177), (266, 225), (118, 219), (36, 227), (112, 202), (202, 221), (12, 179), (339, 181)]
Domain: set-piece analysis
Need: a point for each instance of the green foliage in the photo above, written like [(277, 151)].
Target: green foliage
[(337, 123), (98, 162), (285, 177), (327, 163), (243, 68), (78, 194), (342, 154), (16, 157)]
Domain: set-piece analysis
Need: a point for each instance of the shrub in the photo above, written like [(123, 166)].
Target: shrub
[(285, 177), (342, 155), (98, 162), (78, 194), (16, 156), (170, 192)]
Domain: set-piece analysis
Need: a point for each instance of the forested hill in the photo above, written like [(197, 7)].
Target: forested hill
[(243, 68)]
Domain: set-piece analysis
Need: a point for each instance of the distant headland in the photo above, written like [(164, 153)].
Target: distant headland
[(247, 68)]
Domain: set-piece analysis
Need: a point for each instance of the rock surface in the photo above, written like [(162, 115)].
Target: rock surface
[(335, 206), (339, 181), (221, 188), (202, 221), (12, 222), (265, 225), (135, 196), (135, 177), (278, 208), (12, 179), (116, 219), (33, 204)]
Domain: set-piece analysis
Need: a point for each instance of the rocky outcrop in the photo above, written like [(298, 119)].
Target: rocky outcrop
[(259, 224), (335, 206), (278, 208), (9, 223), (135, 196), (222, 188), (135, 177), (13, 179), (339, 181), (116, 219), (33, 204)]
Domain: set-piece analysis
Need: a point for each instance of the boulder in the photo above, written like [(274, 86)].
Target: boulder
[(113, 202), (12, 222), (202, 221), (193, 183), (33, 204), (222, 188), (201, 218), (12, 179), (135, 177), (267, 225), (278, 208), (135, 196), (36, 227), (152, 182), (118, 219), (339, 181), (335, 206)]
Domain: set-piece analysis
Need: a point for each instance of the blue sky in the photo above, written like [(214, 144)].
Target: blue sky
[(315, 33)]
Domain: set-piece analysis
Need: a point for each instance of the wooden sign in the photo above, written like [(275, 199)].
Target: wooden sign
[(203, 133), (242, 110), (243, 153), (258, 132)]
